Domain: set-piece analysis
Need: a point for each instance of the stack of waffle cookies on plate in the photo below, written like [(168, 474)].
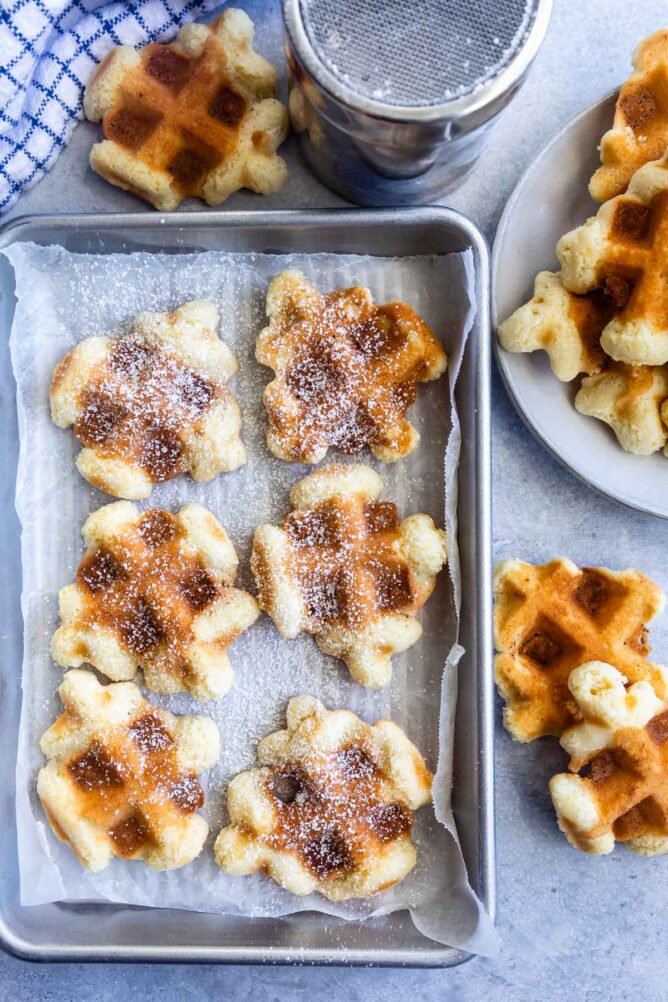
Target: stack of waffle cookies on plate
[(573, 661), (604, 315)]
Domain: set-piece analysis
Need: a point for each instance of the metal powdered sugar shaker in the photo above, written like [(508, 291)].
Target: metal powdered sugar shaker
[(396, 99)]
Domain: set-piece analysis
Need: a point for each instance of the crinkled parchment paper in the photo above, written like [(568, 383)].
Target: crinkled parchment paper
[(63, 297)]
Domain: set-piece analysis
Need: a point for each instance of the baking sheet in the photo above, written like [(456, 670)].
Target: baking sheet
[(64, 297)]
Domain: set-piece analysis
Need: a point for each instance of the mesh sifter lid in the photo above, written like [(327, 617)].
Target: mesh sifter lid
[(416, 53)]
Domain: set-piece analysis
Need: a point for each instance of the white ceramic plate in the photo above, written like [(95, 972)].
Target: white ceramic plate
[(550, 199)]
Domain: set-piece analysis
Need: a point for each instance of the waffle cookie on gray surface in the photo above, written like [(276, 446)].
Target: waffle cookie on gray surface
[(122, 775), (620, 750), (155, 591), (196, 117), (551, 618), (152, 404), (343, 568), (331, 807)]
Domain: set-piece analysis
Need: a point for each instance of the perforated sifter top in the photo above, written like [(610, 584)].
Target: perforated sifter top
[(416, 53)]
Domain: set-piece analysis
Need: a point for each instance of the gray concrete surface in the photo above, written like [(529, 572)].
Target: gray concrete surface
[(570, 927)]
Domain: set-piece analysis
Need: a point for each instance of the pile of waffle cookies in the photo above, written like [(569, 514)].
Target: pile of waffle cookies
[(602, 316), (573, 661), (154, 607)]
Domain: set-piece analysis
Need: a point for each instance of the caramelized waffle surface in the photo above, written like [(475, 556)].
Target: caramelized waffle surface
[(155, 591), (632, 400), (640, 128), (331, 807), (622, 250), (193, 118), (621, 752), (343, 568), (549, 619), (567, 327), (151, 404), (122, 775), (346, 371)]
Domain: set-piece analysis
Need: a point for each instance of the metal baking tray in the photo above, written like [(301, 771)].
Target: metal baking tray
[(78, 932)]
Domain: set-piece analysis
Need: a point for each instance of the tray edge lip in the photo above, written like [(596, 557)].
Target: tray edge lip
[(441, 955)]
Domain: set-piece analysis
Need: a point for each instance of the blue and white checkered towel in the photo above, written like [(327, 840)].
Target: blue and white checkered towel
[(48, 51)]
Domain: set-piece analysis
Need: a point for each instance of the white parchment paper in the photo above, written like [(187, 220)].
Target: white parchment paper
[(64, 297)]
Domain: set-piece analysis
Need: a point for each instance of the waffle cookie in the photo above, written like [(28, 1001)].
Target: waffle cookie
[(122, 776), (631, 399), (621, 250), (151, 404), (343, 568), (552, 618), (567, 327), (331, 807), (621, 752), (639, 131), (193, 118), (346, 371), (155, 591)]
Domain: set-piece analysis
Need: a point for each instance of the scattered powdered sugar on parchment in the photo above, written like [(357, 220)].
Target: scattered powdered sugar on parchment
[(64, 297)]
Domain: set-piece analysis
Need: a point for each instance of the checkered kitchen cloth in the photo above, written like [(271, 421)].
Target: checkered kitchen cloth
[(48, 51)]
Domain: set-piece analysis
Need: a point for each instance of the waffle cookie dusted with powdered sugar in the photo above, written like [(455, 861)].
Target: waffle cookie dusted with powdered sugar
[(196, 117), (343, 568), (551, 618), (639, 131), (155, 591), (122, 776), (151, 404), (331, 807), (346, 371), (620, 752)]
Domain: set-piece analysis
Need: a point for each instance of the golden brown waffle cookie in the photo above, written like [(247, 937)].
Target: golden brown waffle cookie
[(623, 250), (551, 618), (346, 371), (567, 327), (155, 591), (639, 131), (629, 398), (122, 776), (343, 568), (152, 404), (193, 118), (621, 751), (330, 809)]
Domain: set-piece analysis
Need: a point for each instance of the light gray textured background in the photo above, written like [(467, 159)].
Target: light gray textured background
[(571, 927)]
